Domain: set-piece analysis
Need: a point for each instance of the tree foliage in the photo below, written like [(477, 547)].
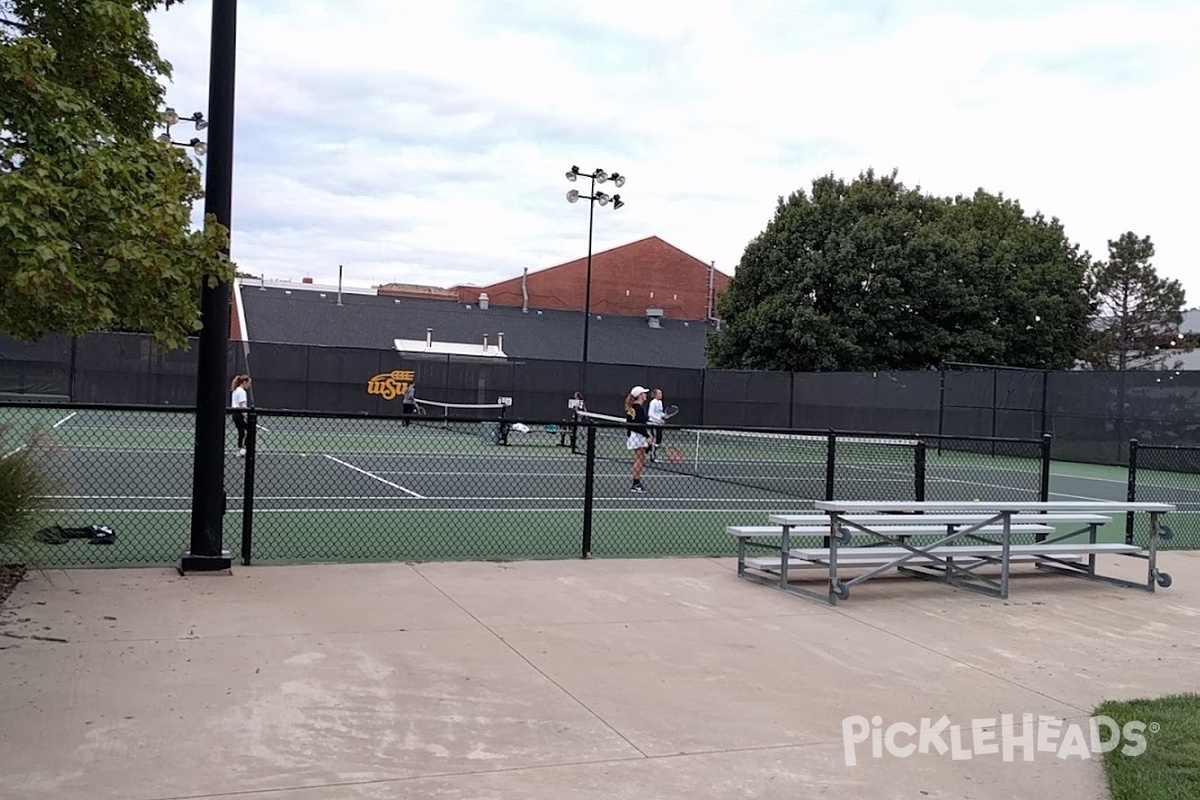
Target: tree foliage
[(1138, 312), (95, 213), (870, 274)]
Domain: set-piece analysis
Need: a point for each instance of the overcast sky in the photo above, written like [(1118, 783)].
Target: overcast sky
[(427, 142)]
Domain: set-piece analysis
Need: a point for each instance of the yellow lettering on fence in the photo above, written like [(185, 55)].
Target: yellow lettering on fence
[(390, 385)]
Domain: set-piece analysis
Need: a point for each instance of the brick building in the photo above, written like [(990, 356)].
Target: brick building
[(628, 281)]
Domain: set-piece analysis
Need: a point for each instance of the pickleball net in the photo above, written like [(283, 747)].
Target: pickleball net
[(799, 466)]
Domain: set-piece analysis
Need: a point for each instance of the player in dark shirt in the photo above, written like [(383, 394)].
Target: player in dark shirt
[(639, 434)]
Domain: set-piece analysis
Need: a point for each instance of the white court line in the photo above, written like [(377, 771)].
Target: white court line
[(392, 509), (1122, 481), (375, 477), (1019, 489), (52, 427)]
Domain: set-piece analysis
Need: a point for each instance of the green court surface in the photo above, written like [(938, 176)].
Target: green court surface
[(358, 489)]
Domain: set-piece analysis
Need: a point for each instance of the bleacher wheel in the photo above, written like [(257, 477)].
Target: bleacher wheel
[(1163, 579), (841, 589), (1165, 532), (843, 534)]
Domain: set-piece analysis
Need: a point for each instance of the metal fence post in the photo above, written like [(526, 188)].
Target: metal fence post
[(919, 472), (589, 487), (1045, 398), (1046, 458), (995, 403), (1131, 489), (248, 486), (830, 466), (941, 407), (71, 391), (791, 399)]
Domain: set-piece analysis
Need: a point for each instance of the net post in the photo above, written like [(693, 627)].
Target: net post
[(248, 486), (919, 472), (502, 422), (1131, 489), (1047, 449), (589, 486)]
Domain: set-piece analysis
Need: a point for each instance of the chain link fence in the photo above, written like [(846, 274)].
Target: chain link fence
[(119, 482), (1165, 474), (1092, 415), (461, 481)]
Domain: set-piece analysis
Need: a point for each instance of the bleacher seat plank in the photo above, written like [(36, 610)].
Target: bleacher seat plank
[(746, 531), (1055, 550), (939, 519)]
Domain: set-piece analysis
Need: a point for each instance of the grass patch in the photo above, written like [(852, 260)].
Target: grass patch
[(1169, 769)]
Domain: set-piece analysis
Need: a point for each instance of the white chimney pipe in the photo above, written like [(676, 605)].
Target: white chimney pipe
[(339, 284), (429, 337), (500, 346), (712, 268), (485, 338), (524, 293)]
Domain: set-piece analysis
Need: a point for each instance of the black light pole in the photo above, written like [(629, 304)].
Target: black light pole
[(573, 196), (207, 552)]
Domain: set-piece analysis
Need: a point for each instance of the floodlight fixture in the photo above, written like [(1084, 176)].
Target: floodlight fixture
[(574, 196)]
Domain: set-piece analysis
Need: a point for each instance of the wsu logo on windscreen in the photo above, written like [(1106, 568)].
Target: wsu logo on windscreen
[(390, 385)]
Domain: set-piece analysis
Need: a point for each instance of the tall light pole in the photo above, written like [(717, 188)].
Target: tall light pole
[(573, 196), (207, 553)]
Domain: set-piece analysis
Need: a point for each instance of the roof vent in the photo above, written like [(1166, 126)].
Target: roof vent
[(483, 300), (653, 315)]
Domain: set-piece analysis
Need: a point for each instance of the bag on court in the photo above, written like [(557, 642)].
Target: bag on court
[(96, 534)]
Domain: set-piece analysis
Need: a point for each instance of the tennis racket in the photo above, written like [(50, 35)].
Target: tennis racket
[(670, 411)]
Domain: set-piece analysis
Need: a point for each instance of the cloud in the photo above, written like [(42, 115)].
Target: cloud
[(429, 144)]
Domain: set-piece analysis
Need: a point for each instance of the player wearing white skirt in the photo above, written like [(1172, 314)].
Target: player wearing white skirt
[(638, 439)]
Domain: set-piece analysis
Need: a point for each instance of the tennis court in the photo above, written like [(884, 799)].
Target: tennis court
[(335, 488)]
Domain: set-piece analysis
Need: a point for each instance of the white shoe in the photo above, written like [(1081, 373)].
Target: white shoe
[(242, 452)]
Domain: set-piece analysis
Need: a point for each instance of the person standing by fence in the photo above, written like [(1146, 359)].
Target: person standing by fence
[(237, 400), (639, 435), (656, 419), (409, 401)]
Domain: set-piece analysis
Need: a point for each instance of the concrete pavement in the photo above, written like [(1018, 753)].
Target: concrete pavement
[(555, 679)]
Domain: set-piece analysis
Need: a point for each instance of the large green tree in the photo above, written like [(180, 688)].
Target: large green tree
[(95, 213), (1138, 311), (870, 274)]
